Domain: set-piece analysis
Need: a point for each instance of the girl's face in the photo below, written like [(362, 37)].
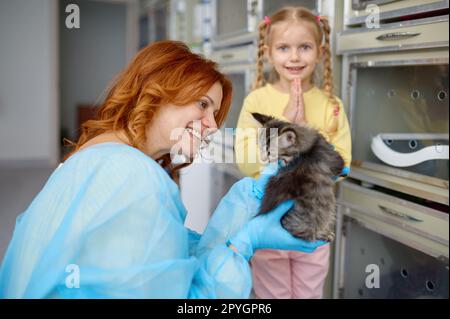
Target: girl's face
[(179, 130), (293, 52)]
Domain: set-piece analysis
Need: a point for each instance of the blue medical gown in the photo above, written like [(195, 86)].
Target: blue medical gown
[(109, 223)]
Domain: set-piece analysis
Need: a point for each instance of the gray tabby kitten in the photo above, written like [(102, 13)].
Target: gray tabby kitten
[(309, 164)]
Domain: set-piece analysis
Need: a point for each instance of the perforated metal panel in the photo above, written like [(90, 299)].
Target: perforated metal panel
[(403, 271)]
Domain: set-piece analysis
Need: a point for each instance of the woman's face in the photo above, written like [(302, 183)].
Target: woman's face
[(293, 52), (179, 130)]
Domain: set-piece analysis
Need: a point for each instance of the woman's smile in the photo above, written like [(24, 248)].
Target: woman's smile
[(194, 133)]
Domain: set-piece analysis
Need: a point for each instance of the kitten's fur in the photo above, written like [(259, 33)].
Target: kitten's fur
[(307, 178)]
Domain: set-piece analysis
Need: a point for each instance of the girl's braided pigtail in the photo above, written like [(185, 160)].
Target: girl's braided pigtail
[(328, 85), (259, 76)]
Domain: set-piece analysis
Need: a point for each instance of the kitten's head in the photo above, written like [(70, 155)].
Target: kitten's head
[(294, 141), (290, 139)]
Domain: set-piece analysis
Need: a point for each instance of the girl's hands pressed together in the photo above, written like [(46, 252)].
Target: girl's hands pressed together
[(295, 110)]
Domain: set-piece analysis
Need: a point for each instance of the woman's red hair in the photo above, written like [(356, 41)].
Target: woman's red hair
[(163, 72)]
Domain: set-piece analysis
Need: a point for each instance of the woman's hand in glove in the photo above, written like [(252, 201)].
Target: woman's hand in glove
[(259, 185)]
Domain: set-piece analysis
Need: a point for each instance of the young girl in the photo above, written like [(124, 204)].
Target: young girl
[(296, 42)]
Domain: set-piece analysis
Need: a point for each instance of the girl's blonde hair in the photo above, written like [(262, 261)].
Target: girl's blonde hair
[(321, 29)]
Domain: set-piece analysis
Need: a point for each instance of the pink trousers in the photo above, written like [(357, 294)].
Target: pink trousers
[(281, 274)]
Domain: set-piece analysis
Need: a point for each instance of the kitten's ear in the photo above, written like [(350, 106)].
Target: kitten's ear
[(261, 118)]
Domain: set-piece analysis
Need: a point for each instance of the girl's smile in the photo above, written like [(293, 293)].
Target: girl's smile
[(295, 70)]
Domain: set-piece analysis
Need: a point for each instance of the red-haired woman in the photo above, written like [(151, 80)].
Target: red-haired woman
[(109, 221)]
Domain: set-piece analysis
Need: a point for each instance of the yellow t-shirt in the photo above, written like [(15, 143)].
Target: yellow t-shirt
[(330, 120)]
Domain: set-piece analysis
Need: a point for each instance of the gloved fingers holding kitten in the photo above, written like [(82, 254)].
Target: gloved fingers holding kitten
[(265, 232), (236, 209)]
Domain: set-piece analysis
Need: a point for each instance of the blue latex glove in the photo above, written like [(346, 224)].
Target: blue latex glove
[(259, 186), (344, 172), (235, 210), (265, 232)]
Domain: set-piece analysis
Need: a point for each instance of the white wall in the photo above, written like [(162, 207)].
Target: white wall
[(90, 56), (28, 82)]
